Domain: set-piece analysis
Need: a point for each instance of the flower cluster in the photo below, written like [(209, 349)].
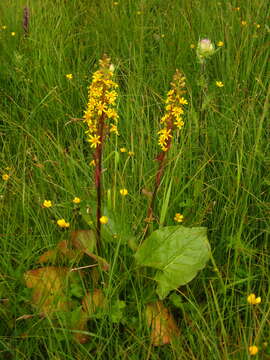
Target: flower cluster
[(101, 102), (253, 300), (174, 111)]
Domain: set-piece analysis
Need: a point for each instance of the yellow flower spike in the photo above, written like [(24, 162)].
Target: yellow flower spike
[(76, 200), (104, 220), (253, 300), (178, 218), (219, 84), (253, 350), (69, 76), (47, 204), (62, 223), (220, 44), (5, 177), (123, 192)]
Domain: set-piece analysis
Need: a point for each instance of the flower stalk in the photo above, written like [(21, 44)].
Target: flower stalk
[(171, 121), (101, 119)]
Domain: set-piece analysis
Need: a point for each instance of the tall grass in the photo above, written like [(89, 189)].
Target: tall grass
[(222, 184)]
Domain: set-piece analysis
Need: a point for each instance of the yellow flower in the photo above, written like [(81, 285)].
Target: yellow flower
[(4, 27), (62, 223), (122, 150), (104, 220), (76, 200), (114, 129), (13, 33), (192, 46), (258, 26), (131, 153), (253, 350), (220, 43), (219, 84), (47, 203), (69, 76), (178, 217), (253, 300), (5, 177), (92, 163), (123, 192), (243, 23), (94, 140), (116, 3)]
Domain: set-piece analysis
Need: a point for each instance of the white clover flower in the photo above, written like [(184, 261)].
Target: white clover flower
[(205, 49)]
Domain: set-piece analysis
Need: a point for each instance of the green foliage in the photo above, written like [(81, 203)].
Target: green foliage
[(177, 252)]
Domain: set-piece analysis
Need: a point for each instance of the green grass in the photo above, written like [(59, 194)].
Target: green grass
[(221, 182)]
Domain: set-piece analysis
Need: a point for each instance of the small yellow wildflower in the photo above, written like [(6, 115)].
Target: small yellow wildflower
[(114, 129), (123, 150), (62, 223), (76, 200), (131, 153), (253, 350), (47, 203), (243, 23), (139, 12), (5, 177), (94, 140), (123, 192), (92, 163), (178, 217), (237, 8), (219, 84), (13, 33), (192, 46), (116, 3), (4, 27), (253, 300), (258, 26), (220, 43), (69, 76), (163, 36), (104, 220)]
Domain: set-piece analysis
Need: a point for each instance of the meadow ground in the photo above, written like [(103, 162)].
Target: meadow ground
[(216, 173)]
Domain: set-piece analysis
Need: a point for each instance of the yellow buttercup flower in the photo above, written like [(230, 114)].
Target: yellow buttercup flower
[(5, 177), (4, 27), (220, 43), (243, 23), (253, 350), (47, 203), (62, 223), (219, 84), (69, 76), (13, 33), (123, 192), (123, 150), (178, 218), (104, 220), (76, 200), (253, 300), (192, 46), (131, 153)]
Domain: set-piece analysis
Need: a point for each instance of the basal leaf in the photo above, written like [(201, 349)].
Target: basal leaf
[(177, 252)]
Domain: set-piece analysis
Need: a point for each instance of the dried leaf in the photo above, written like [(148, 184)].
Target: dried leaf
[(93, 301), (162, 324), (85, 240), (81, 325), (62, 249), (49, 255), (48, 286)]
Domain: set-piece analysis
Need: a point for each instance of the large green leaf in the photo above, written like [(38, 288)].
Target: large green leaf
[(177, 252)]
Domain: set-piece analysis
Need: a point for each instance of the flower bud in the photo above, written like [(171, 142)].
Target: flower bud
[(205, 49)]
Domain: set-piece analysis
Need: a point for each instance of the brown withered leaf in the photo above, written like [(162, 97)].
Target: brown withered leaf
[(93, 301), (85, 240), (62, 249), (162, 324), (48, 284), (81, 324)]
